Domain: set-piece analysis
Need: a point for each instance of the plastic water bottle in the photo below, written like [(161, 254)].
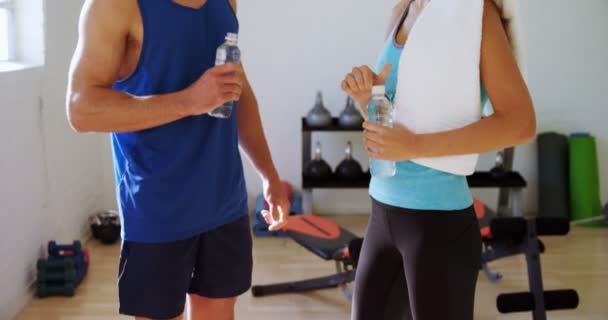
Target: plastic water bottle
[(228, 52), (381, 111)]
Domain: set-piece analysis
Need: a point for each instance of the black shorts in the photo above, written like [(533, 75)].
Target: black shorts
[(154, 279)]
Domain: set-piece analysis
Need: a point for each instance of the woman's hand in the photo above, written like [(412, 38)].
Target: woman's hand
[(394, 144), (358, 84)]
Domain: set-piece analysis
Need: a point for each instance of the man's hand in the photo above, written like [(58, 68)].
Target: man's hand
[(279, 204), (394, 144), (358, 84), (215, 87)]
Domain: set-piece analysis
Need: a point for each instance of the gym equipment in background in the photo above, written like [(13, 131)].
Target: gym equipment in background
[(327, 240), (319, 116), (349, 168), (510, 236), (553, 176), (498, 170), (63, 270), (350, 116), (595, 220), (105, 226), (584, 178), (505, 237), (318, 169)]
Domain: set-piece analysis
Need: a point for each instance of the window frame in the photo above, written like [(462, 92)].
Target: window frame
[(9, 5)]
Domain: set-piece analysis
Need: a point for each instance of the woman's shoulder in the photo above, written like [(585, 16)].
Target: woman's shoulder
[(396, 14), (401, 4)]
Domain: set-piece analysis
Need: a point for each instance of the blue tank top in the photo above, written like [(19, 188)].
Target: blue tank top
[(415, 186), (186, 177)]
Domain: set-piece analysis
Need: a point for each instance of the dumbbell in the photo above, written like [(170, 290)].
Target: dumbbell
[(57, 270), (498, 171), (55, 289), (59, 264), (105, 226), (66, 275), (77, 262), (64, 250), (349, 168), (319, 116), (318, 169)]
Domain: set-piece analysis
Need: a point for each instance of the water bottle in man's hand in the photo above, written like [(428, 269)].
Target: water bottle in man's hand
[(228, 52)]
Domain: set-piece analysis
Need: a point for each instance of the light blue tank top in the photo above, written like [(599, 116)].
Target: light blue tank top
[(415, 186)]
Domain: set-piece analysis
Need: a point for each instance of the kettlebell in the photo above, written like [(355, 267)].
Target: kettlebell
[(350, 116), (499, 167), (319, 116), (318, 169), (105, 226), (349, 168)]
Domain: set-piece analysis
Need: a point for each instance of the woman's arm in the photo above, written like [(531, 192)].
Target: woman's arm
[(359, 82), (512, 123)]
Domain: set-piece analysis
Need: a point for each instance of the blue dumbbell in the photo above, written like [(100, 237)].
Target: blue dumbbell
[(64, 250)]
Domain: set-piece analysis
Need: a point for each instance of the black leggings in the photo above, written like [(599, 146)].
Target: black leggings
[(426, 261)]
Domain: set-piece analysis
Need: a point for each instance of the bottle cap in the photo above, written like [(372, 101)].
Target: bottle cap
[(378, 90)]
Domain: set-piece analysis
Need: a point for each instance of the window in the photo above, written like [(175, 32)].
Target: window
[(6, 30)]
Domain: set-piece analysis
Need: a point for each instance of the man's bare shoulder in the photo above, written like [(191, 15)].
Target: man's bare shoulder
[(117, 12)]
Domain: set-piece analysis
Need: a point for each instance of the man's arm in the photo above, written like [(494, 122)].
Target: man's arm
[(251, 135), (253, 141), (93, 106)]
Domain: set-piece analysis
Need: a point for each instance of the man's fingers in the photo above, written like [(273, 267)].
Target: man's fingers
[(231, 79), (267, 217), (381, 78), (228, 68), (232, 88), (279, 218), (230, 96)]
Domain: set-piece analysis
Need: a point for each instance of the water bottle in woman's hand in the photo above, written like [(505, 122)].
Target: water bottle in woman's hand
[(228, 52), (381, 111)]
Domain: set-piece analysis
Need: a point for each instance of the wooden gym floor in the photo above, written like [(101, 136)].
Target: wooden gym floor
[(579, 261)]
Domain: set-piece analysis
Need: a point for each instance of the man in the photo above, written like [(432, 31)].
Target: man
[(144, 71)]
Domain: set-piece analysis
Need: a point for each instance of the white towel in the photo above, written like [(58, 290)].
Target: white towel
[(439, 77)]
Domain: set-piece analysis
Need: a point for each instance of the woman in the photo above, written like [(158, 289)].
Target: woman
[(423, 224)]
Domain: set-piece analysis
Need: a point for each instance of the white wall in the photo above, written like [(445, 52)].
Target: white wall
[(52, 178), (30, 44), (24, 187)]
